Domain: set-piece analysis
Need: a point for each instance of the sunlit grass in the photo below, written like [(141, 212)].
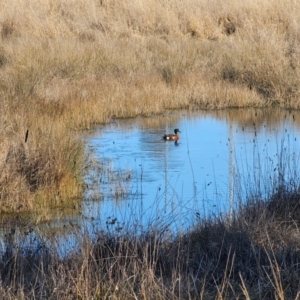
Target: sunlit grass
[(69, 65)]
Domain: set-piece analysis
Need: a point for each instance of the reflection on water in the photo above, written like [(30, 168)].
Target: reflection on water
[(221, 159)]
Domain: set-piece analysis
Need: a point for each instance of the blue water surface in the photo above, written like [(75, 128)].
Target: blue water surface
[(220, 161)]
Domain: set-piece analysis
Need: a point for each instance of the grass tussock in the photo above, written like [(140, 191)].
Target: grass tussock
[(252, 256), (68, 65)]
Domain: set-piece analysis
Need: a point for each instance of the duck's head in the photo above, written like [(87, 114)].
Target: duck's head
[(176, 131)]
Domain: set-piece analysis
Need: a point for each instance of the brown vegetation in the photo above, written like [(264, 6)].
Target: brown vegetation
[(67, 65)]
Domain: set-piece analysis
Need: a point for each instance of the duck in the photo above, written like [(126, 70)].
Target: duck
[(172, 137)]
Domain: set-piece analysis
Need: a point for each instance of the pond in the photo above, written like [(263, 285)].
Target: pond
[(137, 181), (221, 159)]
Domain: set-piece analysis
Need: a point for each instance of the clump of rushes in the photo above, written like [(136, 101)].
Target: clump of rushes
[(41, 169), (78, 64)]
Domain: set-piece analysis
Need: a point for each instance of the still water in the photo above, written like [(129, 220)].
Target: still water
[(136, 180), (221, 159)]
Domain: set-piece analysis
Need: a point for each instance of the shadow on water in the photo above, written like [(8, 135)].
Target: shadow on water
[(137, 180)]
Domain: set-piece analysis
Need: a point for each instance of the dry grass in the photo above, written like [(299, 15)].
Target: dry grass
[(68, 65)]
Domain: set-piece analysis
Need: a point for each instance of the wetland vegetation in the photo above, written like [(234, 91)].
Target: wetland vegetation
[(66, 66)]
